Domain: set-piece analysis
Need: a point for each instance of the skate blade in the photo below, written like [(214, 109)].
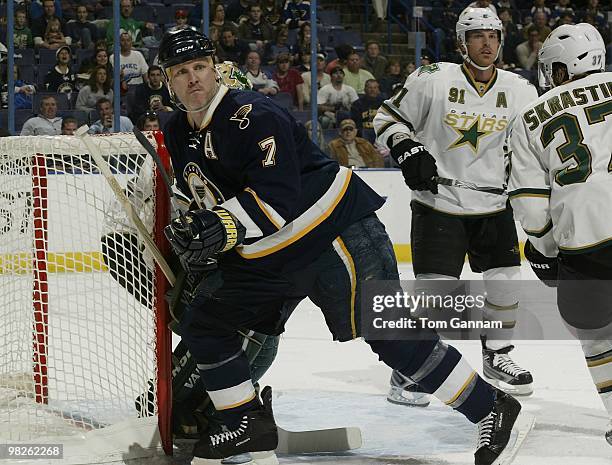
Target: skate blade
[(411, 399), (407, 403), (521, 428), (252, 458), (513, 390)]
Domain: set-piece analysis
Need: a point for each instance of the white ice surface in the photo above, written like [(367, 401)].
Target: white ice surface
[(320, 383)]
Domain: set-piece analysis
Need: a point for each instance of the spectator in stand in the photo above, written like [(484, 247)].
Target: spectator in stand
[(279, 45), (322, 78), (484, 4), (238, 10), (561, 8), (566, 18), (22, 35), (539, 6), (37, 9), (181, 20), (231, 48), (444, 17), (512, 38), (261, 81), (320, 139), (512, 7), (136, 29), (54, 37), (152, 95), (23, 91), (220, 19), (271, 12), (47, 123), (409, 68), (69, 125), (352, 151), (98, 86), (69, 9), (148, 122), (61, 78), (134, 67), (289, 80), (334, 97), (342, 53), (599, 16), (255, 31), (354, 75), (302, 44), (296, 13), (363, 110), (39, 27), (373, 61), (540, 24), (105, 125), (527, 52), (392, 78), (82, 32), (100, 58), (304, 62)]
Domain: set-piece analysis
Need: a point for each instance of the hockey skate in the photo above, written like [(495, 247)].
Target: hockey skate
[(501, 433), (404, 391), (609, 433), (501, 371), (256, 434)]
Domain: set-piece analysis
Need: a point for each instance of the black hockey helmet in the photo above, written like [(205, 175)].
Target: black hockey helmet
[(183, 45)]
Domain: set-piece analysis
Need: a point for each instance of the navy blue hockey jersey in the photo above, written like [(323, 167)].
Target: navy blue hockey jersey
[(252, 158)]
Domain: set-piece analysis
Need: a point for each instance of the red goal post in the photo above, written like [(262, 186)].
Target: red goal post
[(78, 346)]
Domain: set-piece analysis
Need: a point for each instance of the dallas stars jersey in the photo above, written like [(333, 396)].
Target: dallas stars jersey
[(252, 158), (463, 125), (560, 181)]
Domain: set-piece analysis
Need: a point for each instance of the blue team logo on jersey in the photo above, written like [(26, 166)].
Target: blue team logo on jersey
[(203, 191), (241, 116)]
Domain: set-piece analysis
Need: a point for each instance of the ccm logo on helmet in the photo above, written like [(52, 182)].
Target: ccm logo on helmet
[(413, 151), (184, 49)]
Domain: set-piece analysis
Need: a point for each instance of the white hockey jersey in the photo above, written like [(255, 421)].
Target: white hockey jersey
[(463, 124), (561, 161)]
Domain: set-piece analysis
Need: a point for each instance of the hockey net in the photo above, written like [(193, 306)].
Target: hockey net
[(83, 325)]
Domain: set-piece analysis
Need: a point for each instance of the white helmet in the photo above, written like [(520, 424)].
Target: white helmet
[(472, 19), (579, 47)]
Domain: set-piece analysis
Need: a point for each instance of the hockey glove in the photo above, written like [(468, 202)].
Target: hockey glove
[(545, 268), (198, 235), (416, 163)]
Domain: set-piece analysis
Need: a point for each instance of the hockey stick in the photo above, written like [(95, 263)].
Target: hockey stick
[(469, 185), (125, 203), (144, 142), (317, 441)]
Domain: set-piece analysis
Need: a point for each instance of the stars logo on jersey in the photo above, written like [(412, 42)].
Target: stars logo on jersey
[(241, 116), (470, 136), (472, 128)]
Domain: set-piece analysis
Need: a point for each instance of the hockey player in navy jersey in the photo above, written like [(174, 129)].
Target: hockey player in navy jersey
[(285, 222)]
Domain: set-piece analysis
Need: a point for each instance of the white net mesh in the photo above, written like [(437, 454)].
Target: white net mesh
[(74, 278)]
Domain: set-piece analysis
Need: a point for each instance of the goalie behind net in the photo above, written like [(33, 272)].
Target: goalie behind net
[(76, 348)]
